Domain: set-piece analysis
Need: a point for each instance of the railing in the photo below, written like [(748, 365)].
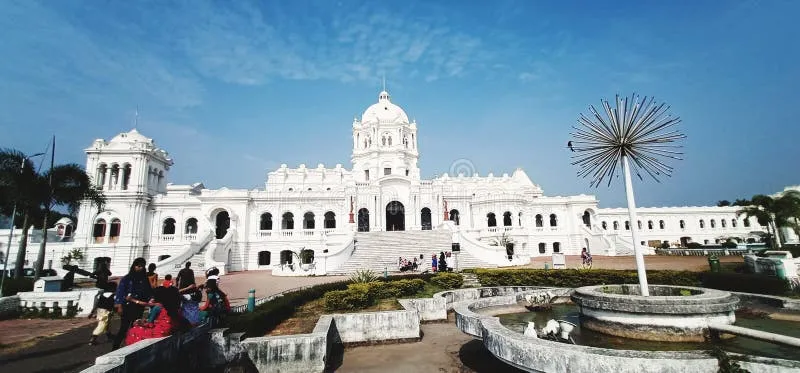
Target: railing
[(167, 237), (190, 237), (242, 308), (296, 232)]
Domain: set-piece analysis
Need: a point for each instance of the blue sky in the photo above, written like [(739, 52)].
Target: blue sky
[(234, 89)]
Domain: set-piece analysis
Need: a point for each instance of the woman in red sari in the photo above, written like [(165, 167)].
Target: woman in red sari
[(165, 317)]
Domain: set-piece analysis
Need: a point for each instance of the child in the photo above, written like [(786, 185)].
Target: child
[(217, 304), (105, 306), (167, 281)]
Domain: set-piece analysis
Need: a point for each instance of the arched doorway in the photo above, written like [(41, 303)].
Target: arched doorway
[(426, 219), (587, 219), (395, 216), (454, 216), (363, 220), (223, 221)]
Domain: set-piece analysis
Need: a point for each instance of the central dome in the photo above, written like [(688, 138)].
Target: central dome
[(384, 112)]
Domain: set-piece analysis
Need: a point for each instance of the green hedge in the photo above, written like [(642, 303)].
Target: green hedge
[(13, 286), (359, 296), (746, 283), (268, 315), (448, 280), (572, 278)]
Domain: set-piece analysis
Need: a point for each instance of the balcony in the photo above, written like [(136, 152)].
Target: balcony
[(303, 233)]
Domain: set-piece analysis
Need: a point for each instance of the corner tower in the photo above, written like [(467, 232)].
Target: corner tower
[(384, 142)]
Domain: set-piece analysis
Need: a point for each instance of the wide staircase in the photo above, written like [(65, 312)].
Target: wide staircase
[(381, 250)]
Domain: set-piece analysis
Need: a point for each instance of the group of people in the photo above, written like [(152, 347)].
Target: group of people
[(438, 264), (173, 305)]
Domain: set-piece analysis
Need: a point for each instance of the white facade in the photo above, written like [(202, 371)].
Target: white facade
[(334, 211)]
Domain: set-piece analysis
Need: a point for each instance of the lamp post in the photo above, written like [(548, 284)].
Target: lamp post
[(636, 136), (11, 227)]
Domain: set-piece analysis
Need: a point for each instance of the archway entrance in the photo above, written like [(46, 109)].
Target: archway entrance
[(587, 218), (223, 222), (395, 216), (426, 219), (363, 220)]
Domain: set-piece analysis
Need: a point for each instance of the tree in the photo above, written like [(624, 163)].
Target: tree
[(37, 194), (741, 202), (773, 213), (723, 203)]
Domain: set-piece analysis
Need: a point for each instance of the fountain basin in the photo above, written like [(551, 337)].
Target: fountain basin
[(670, 313)]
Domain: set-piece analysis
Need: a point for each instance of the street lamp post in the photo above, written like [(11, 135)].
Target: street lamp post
[(11, 227)]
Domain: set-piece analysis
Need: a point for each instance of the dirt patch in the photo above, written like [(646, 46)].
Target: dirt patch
[(306, 317)]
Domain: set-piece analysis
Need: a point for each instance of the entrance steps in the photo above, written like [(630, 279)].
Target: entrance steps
[(381, 250)]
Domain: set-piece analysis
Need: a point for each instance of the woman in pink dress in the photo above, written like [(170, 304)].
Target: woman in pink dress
[(165, 317)]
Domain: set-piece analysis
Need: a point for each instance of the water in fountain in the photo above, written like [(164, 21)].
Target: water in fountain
[(569, 312)]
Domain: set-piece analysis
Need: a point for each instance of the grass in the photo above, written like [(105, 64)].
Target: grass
[(306, 317)]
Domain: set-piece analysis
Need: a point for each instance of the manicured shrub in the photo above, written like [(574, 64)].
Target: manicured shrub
[(746, 283), (577, 278), (448, 280), (13, 286), (694, 245), (408, 287)]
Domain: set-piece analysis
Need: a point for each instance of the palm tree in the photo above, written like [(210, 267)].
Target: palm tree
[(781, 211), (37, 194)]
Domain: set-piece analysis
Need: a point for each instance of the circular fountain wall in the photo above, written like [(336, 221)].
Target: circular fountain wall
[(670, 313)]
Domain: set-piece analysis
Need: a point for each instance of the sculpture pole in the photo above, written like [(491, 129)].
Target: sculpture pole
[(640, 270)]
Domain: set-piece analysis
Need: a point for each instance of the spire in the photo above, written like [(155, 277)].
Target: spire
[(384, 82), (136, 117)]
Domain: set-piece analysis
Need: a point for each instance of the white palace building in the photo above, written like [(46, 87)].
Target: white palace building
[(318, 220)]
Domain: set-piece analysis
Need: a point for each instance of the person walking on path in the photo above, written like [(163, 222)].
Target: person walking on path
[(185, 278), (133, 294), (105, 308), (433, 263)]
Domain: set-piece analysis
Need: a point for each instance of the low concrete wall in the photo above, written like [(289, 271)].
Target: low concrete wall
[(299, 353), (459, 295), (770, 300), (187, 350), (9, 306), (84, 299), (377, 326), (429, 309)]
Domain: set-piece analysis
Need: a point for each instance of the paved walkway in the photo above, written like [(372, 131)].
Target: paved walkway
[(688, 263)]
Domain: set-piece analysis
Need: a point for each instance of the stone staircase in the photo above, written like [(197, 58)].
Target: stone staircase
[(470, 280), (379, 250)]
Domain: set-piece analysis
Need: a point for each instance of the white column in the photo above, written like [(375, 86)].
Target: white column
[(634, 228)]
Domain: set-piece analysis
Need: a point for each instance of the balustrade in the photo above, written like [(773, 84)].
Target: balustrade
[(190, 237), (167, 237)]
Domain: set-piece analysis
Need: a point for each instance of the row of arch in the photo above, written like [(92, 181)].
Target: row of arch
[(286, 257), (681, 224), (491, 219), (109, 177), (102, 229), (287, 221), (168, 226), (386, 140)]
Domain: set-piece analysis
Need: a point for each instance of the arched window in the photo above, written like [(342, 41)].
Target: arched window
[(168, 227), (639, 224), (661, 224), (713, 223), (556, 247), (287, 222), (542, 247), (306, 256), (520, 218), (506, 219), (425, 216), (265, 223), (68, 231), (553, 220), (114, 176), (491, 221), (616, 225), (101, 175), (390, 141), (191, 226), (405, 142), (383, 140), (286, 257), (604, 225), (99, 231), (746, 222), (682, 224), (116, 226), (330, 220), (649, 224), (627, 225), (264, 258), (702, 223), (723, 223), (454, 217), (126, 176), (733, 223), (308, 220), (539, 221)]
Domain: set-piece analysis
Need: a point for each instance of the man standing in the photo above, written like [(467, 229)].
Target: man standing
[(185, 277)]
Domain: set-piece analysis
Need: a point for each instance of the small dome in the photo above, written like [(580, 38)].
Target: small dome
[(132, 136), (64, 221), (384, 112)]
